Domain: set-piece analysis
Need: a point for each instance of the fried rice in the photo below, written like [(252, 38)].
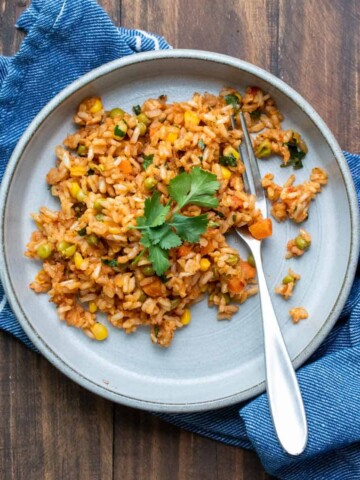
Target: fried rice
[(88, 248)]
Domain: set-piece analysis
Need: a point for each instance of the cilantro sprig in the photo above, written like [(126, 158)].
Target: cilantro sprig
[(163, 226), (296, 155)]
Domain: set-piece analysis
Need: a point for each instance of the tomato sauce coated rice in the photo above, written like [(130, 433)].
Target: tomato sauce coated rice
[(106, 170)]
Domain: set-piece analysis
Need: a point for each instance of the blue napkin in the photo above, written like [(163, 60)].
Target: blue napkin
[(73, 37)]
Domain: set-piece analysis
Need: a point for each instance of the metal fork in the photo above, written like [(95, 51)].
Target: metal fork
[(286, 405)]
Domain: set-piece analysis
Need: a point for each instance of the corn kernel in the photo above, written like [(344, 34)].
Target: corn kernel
[(225, 172), (97, 106), (78, 171), (264, 149), (99, 331), (191, 119), (69, 252), (204, 264), (74, 189), (230, 151), (186, 317), (92, 307), (99, 167), (114, 230), (80, 196), (78, 260), (172, 136)]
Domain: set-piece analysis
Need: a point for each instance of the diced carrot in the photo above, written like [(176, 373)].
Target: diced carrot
[(125, 166), (236, 285), (247, 270), (236, 202), (184, 250), (261, 229), (155, 289), (207, 248)]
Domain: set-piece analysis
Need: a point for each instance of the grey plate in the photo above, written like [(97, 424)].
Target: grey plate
[(210, 363)]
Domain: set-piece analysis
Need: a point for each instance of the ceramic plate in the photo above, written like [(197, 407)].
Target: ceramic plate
[(210, 363)]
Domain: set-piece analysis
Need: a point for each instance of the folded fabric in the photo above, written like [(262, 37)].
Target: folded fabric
[(66, 39)]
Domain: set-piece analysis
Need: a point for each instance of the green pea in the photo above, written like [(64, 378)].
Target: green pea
[(92, 239), (99, 217), (116, 112), (120, 129), (98, 204), (45, 250), (251, 261), (82, 150), (148, 270), (143, 119), (227, 298), (150, 183), (142, 128), (288, 279), (232, 260), (62, 246), (264, 149), (301, 243), (142, 298)]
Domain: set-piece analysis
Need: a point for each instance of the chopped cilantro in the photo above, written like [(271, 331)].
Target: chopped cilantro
[(228, 161), (148, 160), (136, 109), (110, 262), (82, 232), (296, 155), (233, 101)]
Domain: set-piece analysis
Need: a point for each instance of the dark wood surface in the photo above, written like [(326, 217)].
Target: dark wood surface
[(50, 427)]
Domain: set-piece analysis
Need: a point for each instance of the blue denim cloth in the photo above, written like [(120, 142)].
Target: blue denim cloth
[(72, 37)]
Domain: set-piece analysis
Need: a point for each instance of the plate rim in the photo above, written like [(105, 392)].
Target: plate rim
[(288, 91)]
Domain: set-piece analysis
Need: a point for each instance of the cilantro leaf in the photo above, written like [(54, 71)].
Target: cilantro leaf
[(296, 155), (190, 228), (148, 160), (154, 212), (145, 239), (233, 101), (228, 161), (136, 109), (197, 188), (110, 262), (165, 237), (159, 259)]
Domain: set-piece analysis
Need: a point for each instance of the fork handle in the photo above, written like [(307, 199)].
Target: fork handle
[(286, 405)]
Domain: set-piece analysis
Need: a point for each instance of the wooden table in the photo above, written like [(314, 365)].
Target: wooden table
[(52, 428)]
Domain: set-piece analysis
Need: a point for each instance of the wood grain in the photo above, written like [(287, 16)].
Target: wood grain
[(50, 427), (53, 429)]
